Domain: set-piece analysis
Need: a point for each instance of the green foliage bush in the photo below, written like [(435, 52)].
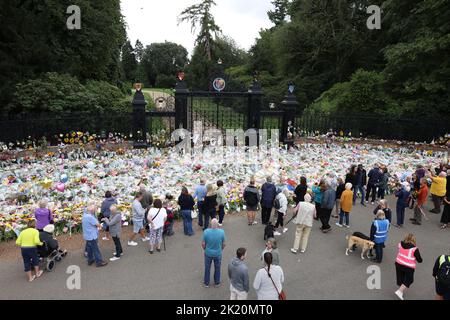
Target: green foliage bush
[(55, 92)]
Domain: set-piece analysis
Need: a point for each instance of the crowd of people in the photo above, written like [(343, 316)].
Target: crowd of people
[(331, 197)]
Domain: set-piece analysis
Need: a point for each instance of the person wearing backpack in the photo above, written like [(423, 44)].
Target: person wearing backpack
[(441, 274), (251, 198), (405, 264), (280, 204)]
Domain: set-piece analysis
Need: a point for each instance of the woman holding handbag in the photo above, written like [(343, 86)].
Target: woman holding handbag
[(269, 281), (156, 218), (186, 203)]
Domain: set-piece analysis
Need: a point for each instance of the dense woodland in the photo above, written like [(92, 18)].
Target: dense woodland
[(323, 46)]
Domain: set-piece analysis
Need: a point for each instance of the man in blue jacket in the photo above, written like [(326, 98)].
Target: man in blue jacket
[(269, 191)]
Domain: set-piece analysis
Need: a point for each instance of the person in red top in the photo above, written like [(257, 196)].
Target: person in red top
[(421, 200), (405, 264)]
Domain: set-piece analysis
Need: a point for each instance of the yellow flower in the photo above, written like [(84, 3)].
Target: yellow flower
[(72, 141), (66, 140)]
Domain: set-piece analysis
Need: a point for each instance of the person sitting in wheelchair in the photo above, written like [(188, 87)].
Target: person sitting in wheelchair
[(51, 246)]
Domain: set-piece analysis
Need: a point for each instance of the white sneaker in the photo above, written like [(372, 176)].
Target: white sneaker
[(255, 222), (276, 233), (339, 225), (285, 230), (115, 254), (302, 251), (373, 203), (220, 224), (346, 225), (145, 239), (399, 294), (294, 251), (105, 239), (132, 243), (114, 259)]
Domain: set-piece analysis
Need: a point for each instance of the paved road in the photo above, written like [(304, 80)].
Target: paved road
[(323, 272)]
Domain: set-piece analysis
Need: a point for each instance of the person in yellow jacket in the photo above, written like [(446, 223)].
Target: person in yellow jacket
[(438, 190), (28, 240), (346, 206)]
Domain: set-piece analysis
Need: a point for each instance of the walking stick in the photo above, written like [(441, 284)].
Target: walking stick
[(164, 241)]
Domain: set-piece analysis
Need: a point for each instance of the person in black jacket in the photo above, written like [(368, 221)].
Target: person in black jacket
[(51, 244), (186, 203), (374, 178), (350, 177), (301, 190), (405, 264), (340, 188), (442, 290), (383, 205), (361, 181), (268, 194), (210, 205)]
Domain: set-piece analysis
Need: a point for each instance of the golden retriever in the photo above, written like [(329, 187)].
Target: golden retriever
[(365, 245)]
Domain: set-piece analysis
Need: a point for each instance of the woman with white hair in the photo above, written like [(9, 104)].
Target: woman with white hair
[(306, 211), (281, 205), (346, 206)]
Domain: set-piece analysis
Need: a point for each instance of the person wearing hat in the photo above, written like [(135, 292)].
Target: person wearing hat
[(46, 235)]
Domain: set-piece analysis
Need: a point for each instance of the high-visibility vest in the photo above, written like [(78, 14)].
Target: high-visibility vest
[(442, 259), (406, 257), (382, 227)]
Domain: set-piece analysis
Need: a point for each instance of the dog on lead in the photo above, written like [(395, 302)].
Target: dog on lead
[(358, 239), (268, 231)]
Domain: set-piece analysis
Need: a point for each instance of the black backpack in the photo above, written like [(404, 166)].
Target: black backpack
[(277, 204), (443, 274)]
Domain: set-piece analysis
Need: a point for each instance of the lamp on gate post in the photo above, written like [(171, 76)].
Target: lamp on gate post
[(290, 107), (139, 118), (181, 102)]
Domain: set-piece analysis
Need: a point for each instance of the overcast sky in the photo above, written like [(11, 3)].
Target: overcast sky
[(156, 20)]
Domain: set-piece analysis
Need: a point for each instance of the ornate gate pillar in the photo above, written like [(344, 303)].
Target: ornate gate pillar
[(139, 118)]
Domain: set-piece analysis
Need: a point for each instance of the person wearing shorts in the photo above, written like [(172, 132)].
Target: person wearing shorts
[(137, 217), (28, 240)]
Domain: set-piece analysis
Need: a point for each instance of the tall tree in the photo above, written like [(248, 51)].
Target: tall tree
[(139, 50), (34, 39), (129, 62), (200, 17), (163, 59), (281, 10)]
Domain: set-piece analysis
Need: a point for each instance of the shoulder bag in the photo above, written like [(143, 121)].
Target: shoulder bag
[(282, 294)]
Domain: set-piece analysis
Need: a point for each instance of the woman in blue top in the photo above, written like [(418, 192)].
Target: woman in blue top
[(317, 189)]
